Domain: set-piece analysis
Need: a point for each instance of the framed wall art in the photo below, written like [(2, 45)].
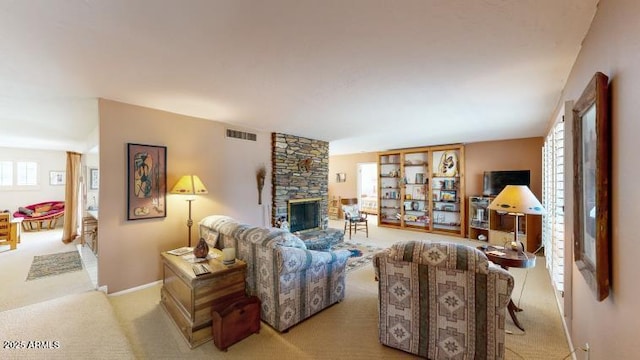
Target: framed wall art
[(146, 181), (591, 185), (94, 178), (57, 177)]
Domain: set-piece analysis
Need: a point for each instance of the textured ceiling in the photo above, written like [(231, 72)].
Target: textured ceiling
[(364, 75)]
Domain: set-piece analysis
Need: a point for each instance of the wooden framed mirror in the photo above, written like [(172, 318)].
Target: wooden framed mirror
[(591, 170)]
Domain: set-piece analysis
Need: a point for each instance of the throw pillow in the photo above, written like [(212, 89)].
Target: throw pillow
[(25, 211), (351, 211), (43, 208)]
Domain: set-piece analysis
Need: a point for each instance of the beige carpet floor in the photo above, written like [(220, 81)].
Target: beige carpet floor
[(346, 330), (78, 326), (15, 264)]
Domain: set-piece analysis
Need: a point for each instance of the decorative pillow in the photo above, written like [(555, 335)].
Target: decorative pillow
[(351, 211), (25, 211), (43, 208)]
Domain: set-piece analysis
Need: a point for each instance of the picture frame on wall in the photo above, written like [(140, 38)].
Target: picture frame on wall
[(57, 178), (591, 170), (94, 179), (146, 181)]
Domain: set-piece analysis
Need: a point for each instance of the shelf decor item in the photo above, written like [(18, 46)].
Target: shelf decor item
[(447, 195), (517, 200), (146, 181), (189, 185), (591, 184)]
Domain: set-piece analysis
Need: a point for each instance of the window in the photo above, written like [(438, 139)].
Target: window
[(6, 173), (553, 197), (18, 174), (27, 173)]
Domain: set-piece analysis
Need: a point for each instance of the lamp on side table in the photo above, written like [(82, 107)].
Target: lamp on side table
[(517, 200), (189, 185)]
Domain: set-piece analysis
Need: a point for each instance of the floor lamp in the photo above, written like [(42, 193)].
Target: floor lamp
[(517, 200), (189, 185)]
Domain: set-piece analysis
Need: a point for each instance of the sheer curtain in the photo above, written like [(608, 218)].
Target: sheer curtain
[(74, 165)]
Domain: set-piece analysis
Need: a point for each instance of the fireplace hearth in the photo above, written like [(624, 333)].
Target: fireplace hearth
[(304, 214)]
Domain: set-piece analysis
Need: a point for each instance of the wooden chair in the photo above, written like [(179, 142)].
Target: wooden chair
[(5, 232), (354, 219)]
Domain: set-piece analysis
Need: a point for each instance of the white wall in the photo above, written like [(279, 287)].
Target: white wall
[(612, 46), (47, 160)]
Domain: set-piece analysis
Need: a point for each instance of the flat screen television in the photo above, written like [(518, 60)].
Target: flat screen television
[(494, 181)]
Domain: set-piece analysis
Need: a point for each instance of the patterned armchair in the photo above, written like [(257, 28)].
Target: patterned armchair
[(293, 283), (442, 301)]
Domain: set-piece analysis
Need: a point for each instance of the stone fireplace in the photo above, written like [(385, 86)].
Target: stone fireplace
[(300, 172), (304, 214)]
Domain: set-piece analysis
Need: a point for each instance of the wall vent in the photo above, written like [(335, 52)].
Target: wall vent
[(241, 135)]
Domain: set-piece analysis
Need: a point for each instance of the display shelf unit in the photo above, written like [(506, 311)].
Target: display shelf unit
[(479, 217), (447, 189), (415, 171), (410, 199), (389, 189)]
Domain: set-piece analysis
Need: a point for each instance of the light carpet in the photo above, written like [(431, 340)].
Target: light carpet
[(54, 264), (15, 265), (79, 326), (346, 330)]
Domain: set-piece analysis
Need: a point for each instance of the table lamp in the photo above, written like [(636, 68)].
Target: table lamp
[(517, 200), (189, 185)]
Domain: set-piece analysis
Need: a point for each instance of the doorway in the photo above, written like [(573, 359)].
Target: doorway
[(368, 187)]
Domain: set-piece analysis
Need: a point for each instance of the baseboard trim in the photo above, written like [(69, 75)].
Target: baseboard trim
[(137, 288)]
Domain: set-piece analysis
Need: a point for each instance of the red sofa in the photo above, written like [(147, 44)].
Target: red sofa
[(40, 216)]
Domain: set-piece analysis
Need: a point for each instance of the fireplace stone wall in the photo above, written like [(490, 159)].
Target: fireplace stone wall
[(300, 171)]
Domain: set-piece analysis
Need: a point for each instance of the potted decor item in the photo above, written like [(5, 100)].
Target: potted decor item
[(201, 250), (260, 176)]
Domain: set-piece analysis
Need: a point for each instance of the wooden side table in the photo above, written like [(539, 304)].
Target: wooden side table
[(511, 258), (188, 299)]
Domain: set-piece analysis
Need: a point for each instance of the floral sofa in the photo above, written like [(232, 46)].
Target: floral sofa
[(292, 283), (442, 301)]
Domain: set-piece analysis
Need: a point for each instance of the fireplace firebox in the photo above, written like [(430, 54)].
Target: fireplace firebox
[(304, 214)]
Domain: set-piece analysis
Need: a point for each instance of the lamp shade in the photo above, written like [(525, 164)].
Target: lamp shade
[(517, 199), (189, 185)]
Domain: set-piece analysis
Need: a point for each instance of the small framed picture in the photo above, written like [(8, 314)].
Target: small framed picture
[(57, 177), (419, 178), (448, 195), (94, 179), (341, 177)]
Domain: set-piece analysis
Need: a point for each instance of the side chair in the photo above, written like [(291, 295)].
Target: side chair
[(354, 219)]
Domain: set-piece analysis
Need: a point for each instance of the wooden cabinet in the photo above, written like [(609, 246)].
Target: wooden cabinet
[(422, 189), (189, 299), (501, 226), (334, 208)]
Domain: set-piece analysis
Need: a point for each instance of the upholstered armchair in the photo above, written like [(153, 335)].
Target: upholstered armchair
[(442, 301)]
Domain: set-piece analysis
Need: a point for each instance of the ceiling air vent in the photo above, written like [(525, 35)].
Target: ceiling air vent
[(241, 135)]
